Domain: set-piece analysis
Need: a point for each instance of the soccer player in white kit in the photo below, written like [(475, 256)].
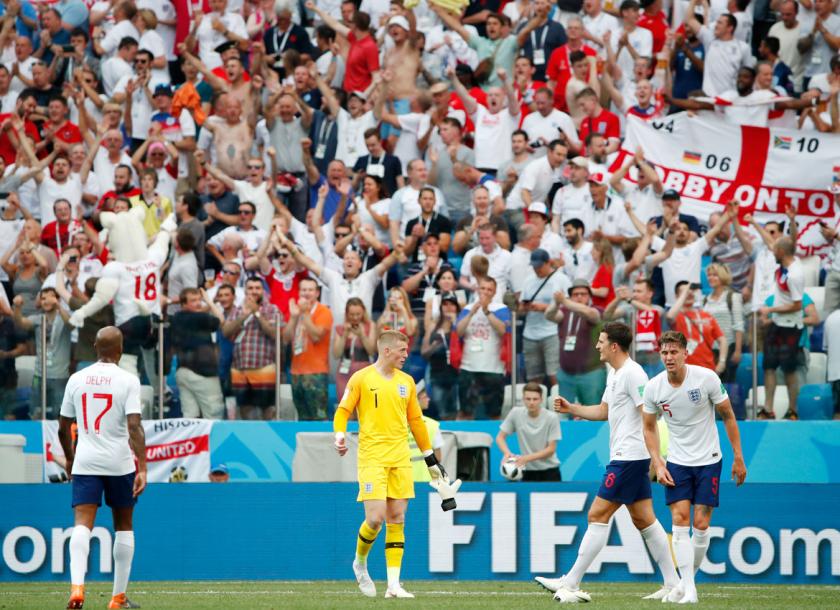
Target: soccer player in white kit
[(104, 401), (627, 479), (686, 396)]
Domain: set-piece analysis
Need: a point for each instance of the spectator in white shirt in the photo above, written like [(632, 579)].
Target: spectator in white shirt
[(547, 123), (724, 53), (494, 124), (535, 182), (120, 65), (106, 45), (631, 42), (498, 258)]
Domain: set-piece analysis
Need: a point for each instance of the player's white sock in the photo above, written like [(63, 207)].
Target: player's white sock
[(593, 541), (393, 577), (657, 543), (123, 554), (79, 549), (684, 553), (700, 541)]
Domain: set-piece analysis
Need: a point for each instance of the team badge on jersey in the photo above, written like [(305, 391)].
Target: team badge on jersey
[(403, 391), (368, 488), (694, 395)]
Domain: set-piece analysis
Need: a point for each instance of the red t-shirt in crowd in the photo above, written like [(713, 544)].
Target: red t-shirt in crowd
[(658, 26), (701, 330), (67, 132), (57, 236), (362, 62), (282, 291), (456, 103), (560, 71), (7, 149), (606, 123), (114, 194), (524, 109), (603, 278)]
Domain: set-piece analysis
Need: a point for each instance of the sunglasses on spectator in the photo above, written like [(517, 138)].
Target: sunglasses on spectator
[(282, 255), (255, 166), (245, 212), (229, 272), (340, 235)]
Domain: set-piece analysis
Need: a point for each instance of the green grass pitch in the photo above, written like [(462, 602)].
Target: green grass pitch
[(443, 594)]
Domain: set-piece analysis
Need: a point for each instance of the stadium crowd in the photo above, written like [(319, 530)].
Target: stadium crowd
[(349, 168)]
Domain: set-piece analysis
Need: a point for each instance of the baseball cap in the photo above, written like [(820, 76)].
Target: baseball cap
[(359, 94), (225, 46), (449, 296), (219, 469), (155, 146), (671, 194), (162, 89), (400, 21), (538, 207), (597, 176), (438, 88), (580, 283), (580, 162), (539, 257)]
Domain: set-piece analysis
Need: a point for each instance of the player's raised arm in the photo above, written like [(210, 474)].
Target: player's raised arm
[(137, 439), (345, 409)]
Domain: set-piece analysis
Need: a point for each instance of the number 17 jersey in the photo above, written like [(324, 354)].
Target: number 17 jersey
[(100, 397)]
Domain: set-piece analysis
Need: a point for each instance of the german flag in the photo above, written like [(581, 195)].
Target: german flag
[(692, 158)]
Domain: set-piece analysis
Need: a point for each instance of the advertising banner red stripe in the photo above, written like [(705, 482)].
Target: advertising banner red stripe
[(178, 449)]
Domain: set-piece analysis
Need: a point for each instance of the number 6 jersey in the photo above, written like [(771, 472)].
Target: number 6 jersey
[(100, 397)]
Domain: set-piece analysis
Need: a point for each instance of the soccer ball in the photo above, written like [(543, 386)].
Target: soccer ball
[(510, 470), (178, 475)]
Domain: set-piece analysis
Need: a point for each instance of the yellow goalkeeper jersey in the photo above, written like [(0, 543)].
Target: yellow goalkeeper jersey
[(386, 409)]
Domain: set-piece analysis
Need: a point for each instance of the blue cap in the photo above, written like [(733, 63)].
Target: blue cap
[(162, 89), (539, 257), (219, 469)]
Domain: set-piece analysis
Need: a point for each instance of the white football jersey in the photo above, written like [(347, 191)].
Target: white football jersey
[(689, 413), (623, 395), (100, 397), (138, 281)]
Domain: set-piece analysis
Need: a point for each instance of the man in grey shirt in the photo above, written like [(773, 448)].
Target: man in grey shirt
[(183, 272), (539, 337), (58, 349), (286, 132), (537, 432), (442, 168)]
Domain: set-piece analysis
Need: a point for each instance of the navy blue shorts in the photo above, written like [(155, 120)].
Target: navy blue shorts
[(700, 484), (119, 491), (626, 481)]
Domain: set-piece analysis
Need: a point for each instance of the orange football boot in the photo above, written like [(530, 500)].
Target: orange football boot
[(121, 601), (77, 596)]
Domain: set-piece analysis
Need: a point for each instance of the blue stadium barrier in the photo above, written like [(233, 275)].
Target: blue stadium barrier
[(761, 534), (815, 401)]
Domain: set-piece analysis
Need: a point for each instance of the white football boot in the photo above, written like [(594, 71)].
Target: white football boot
[(366, 585), (398, 592), (674, 595), (690, 597), (565, 595), (662, 593), (549, 584)]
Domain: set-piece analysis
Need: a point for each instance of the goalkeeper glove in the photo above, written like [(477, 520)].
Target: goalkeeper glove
[(440, 481), (446, 491)]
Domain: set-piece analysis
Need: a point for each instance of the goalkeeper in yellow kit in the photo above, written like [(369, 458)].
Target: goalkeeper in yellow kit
[(386, 399)]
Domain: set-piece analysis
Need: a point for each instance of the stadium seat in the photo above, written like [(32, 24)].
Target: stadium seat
[(811, 270), (704, 281), (815, 401), (781, 400), (506, 402), (816, 338), (816, 368), (743, 375), (25, 366), (817, 293)]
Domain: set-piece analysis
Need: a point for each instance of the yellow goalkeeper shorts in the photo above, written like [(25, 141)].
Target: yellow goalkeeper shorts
[(382, 482)]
